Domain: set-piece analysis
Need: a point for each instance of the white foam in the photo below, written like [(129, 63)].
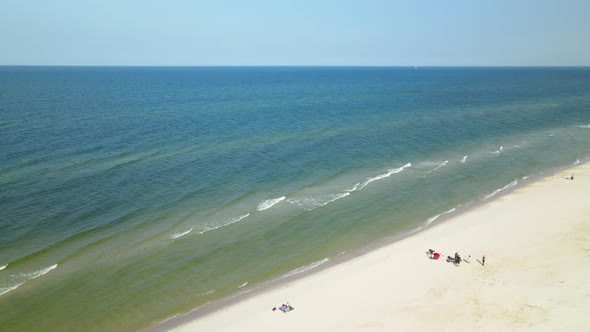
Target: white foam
[(26, 277), (267, 204), (4, 290), (3, 267), (511, 184), (431, 219), (310, 203), (223, 223), (585, 126), (207, 293), (499, 150), (306, 268), (443, 164), (464, 159), (387, 174), (39, 273), (243, 285), (577, 161), (354, 188), (177, 235)]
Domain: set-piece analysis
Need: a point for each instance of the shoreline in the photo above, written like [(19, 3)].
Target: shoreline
[(211, 312)]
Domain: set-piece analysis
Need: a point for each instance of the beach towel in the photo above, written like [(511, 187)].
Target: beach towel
[(286, 309)]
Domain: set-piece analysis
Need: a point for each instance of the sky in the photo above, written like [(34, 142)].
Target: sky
[(295, 33)]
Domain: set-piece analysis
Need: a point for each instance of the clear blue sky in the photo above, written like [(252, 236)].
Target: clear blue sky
[(298, 32)]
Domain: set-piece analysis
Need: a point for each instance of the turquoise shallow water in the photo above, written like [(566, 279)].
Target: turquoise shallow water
[(130, 194)]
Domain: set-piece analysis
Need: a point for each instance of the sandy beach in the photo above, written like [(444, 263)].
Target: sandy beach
[(536, 240)]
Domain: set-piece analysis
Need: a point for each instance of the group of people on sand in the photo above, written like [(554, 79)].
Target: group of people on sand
[(571, 177), (284, 308), (432, 254)]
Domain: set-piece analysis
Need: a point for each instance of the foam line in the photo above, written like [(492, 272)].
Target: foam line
[(310, 203), (443, 164), (224, 223), (267, 204), (27, 277), (306, 268), (177, 235), (431, 219), (4, 290), (511, 184), (389, 173)]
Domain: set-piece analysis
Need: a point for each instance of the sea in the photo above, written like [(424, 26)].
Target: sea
[(132, 195)]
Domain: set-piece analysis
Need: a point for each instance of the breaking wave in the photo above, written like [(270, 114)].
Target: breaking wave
[(310, 203), (306, 268), (431, 219), (177, 235), (267, 204), (500, 149), (3, 267), (464, 159), (443, 164), (510, 185), (243, 285), (222, 223), (22, 278), (390, 172)]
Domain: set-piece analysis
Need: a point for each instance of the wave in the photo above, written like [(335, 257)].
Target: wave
[(443, 164), (585, 126), (4, 290), (313, 202), (243, 285), (500, 149), (310, 203), (390, 172), (577, 161), (431, 219), (3, 267), (306, 268), (267, 204), (24, 277), (177, 235), (510, 185), (464, 159), (223, 223), (207, 293)]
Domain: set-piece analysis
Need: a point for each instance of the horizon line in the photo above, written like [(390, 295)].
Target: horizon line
[(242, 66)]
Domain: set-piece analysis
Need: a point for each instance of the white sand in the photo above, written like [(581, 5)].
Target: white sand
[(536, 277)]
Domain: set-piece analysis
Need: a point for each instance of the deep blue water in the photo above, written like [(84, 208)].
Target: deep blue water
[(145, 192)]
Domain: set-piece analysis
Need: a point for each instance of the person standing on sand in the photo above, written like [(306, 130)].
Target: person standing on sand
[(483, 260)]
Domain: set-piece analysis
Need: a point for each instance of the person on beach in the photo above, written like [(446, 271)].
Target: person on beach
[(483, 260)]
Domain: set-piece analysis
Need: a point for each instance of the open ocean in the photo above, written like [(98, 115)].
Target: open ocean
[(129, 195)]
